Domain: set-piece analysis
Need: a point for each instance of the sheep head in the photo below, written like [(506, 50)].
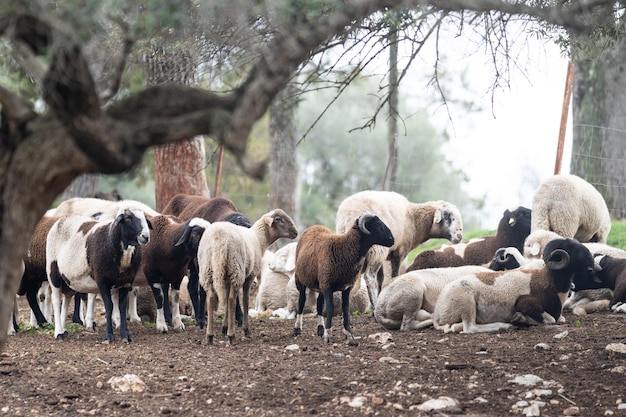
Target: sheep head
[(375, 229), (447, 222)]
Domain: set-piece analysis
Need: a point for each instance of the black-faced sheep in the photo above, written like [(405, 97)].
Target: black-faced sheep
[(94, 256), (327, 262), (582, 301), (512, 230), (186, 207), (164, 262), (493, 301), (229, 258), (610, 274), (410, 223), (571, 207)]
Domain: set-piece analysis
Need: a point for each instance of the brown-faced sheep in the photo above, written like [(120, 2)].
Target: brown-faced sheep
[(229, 258), (327, 262), (411, 224)]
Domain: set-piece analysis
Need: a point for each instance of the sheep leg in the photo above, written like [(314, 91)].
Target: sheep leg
[(210, 300), (371, 281), (133, 315), (166, 303), (529, 307), (197, 294), (32, 297), (320, 316), (177, 321), (246, 305), (161, 323), (330, 309), (123, 305), (76, 316), (105, 293), (297, 328), (230, 315), (90, 321), (345, 312)]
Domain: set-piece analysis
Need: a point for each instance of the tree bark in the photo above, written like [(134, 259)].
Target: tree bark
[(391, 173), (284, 182)]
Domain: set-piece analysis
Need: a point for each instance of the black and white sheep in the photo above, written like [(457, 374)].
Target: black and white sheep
[(571, 207), (582, 301), (327, 262), (229, 259), (95, 256), (165, 260), (218, 209), (411, 224), (513, 228), (493, 301)]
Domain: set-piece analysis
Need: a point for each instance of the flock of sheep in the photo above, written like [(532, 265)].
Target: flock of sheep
[(523, 275)]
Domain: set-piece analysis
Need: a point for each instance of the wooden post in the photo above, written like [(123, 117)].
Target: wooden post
[(567, 97)]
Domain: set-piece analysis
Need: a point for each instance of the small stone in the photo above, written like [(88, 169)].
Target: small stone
[(561, 335), (378, 401), (571, 411), (440, 403), (542, 346), (616, 350)]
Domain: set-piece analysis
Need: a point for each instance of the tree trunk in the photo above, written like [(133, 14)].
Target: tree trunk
[(178, 166), (284, 190), (599, 120)]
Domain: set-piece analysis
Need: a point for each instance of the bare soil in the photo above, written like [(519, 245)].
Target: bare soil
[(267, 375)]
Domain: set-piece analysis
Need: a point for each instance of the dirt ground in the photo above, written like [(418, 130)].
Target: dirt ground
[(566, 369)]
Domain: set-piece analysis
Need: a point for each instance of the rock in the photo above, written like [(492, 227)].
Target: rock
[(528, 380), (441, 403), (381, 338), (571, 411), (126, 383), (542, 346), (561, 335), (616, 350)]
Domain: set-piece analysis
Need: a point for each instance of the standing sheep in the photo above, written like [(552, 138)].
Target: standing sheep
[(94, 256), (327, 262), (186, 207), (229, 258), (411, 224), (513, 228), (571, 207)]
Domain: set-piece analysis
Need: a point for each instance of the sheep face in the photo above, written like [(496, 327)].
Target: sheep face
[(280, 225), (448, 223), (375, 230), (506, 259), (136, 230), (571, 258)]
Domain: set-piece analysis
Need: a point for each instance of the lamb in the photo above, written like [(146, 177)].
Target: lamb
[(327, 262), (164, 262), (411, 224), (229, 258), (276, 270), (407, 303), (90, 256), (571, 207), (185, 207), (493, 301), (512, 230)]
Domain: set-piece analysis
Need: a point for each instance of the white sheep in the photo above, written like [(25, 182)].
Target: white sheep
[(327, 262), (407, 303), (276, 270), (229, 258), (410, 223), (493, 301), (571, 207), (95, 256)]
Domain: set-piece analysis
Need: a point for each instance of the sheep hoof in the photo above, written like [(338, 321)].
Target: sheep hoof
[(126, 341), (297, 331), (352, 342), (62, 336), (320, 330)]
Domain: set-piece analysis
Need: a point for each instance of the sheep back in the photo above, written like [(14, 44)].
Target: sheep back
[(186, 206), (571, 207)]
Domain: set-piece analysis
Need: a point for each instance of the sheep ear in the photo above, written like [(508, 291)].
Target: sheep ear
[(535, 249), (185, 235), (558, 259), (149, 224), (291, 263), (438, 216)]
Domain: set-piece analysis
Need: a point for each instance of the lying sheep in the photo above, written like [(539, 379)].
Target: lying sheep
[(493, 301), (512, 230), (327, 262), (571, 207), (611, 274), (186, 207), (407, 303), (411, 224), (92, 256), (229, 258), (276, 269), (582, 301)]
